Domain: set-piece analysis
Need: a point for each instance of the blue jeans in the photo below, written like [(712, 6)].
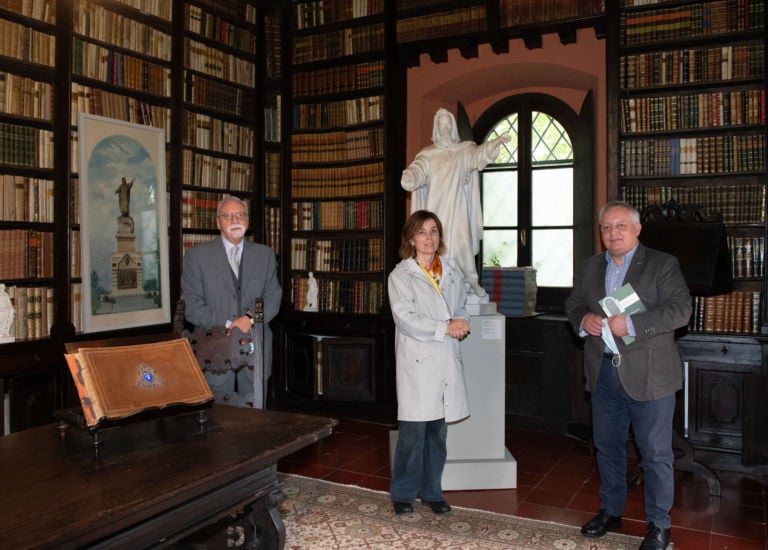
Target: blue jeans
[(612, 413), (419, 461)]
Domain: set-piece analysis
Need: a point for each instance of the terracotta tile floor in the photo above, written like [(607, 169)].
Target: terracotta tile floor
[(557, 481)]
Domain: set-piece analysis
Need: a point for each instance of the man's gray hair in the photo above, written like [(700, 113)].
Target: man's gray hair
[(633, 212), (231, 198)]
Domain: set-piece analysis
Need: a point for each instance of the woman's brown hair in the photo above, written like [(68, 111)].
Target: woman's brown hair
[(412, 226)]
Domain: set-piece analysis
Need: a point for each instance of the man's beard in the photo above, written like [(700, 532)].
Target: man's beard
[(236, 231)]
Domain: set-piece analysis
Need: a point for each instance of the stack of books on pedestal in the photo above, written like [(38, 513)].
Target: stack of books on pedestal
[(512, 288)]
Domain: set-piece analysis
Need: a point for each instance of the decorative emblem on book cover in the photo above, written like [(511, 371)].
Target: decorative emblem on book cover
[(147, 376)]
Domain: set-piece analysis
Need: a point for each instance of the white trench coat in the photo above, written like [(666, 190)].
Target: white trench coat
[(430, 372)]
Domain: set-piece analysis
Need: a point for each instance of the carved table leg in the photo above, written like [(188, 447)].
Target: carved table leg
[(267, 525)]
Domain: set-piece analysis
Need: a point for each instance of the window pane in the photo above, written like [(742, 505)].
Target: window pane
[(500, 198), (549, 139), (553, 256), (552, 196), (507, 151), (500, 247)]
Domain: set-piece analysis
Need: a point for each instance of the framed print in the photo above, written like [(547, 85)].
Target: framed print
[(124, 232)]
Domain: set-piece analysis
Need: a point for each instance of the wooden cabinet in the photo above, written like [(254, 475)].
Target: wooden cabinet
[(337, 365), (725, 409), (544, 376)]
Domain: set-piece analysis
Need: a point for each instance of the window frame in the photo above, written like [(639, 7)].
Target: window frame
[(580, 129)]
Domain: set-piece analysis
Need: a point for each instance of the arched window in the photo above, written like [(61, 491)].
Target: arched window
[(537, 195)]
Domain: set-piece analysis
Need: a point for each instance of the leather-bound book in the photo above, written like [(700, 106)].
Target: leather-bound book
[(117, 382)]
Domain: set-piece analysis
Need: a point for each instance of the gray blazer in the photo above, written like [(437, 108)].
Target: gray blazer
[(212, 296), (651, 366)]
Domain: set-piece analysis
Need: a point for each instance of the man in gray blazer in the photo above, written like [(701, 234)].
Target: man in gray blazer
[(631, 383), (220, 282)]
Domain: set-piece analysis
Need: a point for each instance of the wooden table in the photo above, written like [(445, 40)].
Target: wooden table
[(152, 483)]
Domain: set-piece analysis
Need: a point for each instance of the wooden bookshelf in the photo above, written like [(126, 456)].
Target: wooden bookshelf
[(690, 90), (342, 206), (193, 68), (692, 128)]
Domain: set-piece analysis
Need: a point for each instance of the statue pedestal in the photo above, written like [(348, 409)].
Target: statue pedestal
[(7, 339), (477, 456)]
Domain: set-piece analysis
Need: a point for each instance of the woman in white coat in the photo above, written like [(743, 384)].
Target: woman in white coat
[(427, 293)]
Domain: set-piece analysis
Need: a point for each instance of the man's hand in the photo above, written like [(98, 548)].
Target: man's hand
[(618, 325), (243, 323), (593, 324)]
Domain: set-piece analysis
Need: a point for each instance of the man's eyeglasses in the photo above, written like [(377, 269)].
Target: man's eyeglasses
[(235, 216)]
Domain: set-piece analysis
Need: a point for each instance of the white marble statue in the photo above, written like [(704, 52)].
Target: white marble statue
[(6, 313), (443, 178), (311, 294)]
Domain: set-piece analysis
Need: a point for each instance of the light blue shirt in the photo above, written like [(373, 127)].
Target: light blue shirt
[(614, 279)]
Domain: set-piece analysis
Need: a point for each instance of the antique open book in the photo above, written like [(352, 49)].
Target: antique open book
[(117, 382)]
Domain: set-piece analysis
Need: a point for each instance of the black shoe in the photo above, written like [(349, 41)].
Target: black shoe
[(402, 507), (657, 538), (601, 524), (438, 506)]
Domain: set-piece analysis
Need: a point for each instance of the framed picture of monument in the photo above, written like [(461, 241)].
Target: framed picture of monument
[(123, 226)]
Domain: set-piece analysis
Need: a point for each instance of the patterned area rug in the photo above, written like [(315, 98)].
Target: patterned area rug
[(319, 515)]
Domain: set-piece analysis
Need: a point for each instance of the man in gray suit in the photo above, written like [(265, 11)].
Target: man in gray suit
[(220, 282), (631, 383)]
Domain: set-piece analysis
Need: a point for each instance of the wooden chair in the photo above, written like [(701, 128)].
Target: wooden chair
[(219, 350)]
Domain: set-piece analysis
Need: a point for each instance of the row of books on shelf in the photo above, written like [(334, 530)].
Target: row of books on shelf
[(272, 170), (25, 254), (695, 155), (188, 240), (97, 22), (454, 22), (338, 181), (42, 10), (693, 111), (337, 255), (203, 170), (27, 44), (273, 55), (272, 231), (636, 3), (337, 114), (207, 132), (336, 215), (218, 63), (22, 96), (86, 99), (198, 209), (692, 20), (522, 12), (272, 118), (338, 43), (75, 258), (337, 146), (218, 95), (735, 313), (686, 66), (747, 256), (114, 67), (33, 311), (26, 199), (735, 203), (335, 296), (334, 80), (221, 30), (26, 146), (315, 13)]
